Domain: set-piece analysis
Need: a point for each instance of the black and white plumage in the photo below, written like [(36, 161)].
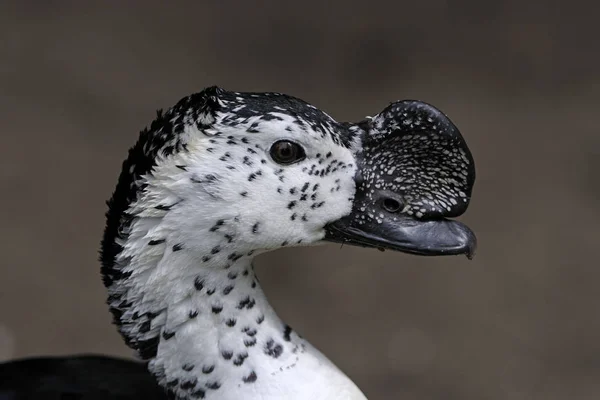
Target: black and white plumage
[(223, 176)]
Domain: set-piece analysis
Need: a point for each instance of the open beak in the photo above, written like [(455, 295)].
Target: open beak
[(414, 172)]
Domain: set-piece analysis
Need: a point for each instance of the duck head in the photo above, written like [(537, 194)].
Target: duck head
[(251, 172)]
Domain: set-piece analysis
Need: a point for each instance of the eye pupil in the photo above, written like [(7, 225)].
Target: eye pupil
[(391, 205), (287, 152)]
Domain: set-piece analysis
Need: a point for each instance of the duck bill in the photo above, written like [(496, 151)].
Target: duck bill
[(408, 235), (414, 172)]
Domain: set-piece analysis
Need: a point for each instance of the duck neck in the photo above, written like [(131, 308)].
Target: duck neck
[(224, 337), (209, 332)]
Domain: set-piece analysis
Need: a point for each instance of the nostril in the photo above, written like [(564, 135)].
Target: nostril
[(391, 205)]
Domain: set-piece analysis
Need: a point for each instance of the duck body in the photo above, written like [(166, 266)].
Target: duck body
[(85, 377), (224, 176)]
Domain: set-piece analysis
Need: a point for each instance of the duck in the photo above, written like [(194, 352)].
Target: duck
[(220, 178)]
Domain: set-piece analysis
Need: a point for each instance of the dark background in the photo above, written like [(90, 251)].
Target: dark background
[(78, 80)]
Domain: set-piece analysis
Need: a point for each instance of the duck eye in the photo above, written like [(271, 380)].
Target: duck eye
[(287, 152), (391, 205)]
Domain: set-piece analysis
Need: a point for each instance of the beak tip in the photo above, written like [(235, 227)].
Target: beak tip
[(470, 254), (471, 245)]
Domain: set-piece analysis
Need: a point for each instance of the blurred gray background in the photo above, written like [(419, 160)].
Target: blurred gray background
[(78, 80)]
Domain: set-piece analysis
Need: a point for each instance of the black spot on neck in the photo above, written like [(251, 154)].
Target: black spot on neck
[(199, 283), (287, 331), (273, 349), (145, 326), (167, 335), (239, 360), (190, 384), (217, 225), (213, 385), (250, 378), (245, 303), (177, 247)]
